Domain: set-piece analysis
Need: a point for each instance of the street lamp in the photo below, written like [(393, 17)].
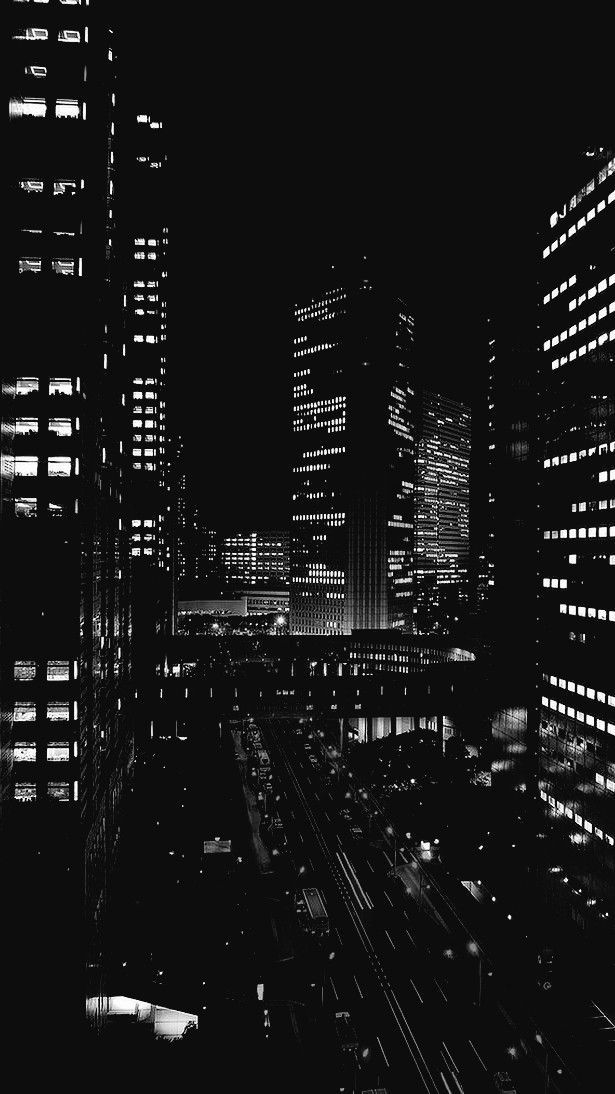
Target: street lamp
[(391, 832), (474, 949)]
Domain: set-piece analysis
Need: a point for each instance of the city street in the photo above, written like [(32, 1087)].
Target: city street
[(412, 1021)]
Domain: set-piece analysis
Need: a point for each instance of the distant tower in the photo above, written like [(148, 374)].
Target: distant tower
[(353, 466), (442, 539)]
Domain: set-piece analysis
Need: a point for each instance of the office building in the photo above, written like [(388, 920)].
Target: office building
[(196, 549), (144, 252), (353, 468), (442, 528), (504, 512), (65, 613), (256, 558), (576, 544)]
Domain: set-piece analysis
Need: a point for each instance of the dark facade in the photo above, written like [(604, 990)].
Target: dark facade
[(575, 704), (353, 469), (442, 519), (506, 515), (66, 622), (196, 552)]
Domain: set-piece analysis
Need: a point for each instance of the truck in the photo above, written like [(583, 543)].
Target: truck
[(314, 912), (346, 1033)]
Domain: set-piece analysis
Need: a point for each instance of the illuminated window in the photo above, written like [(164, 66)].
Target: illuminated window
[(58, 752), (57, 671), (25, 507), (24, 670), (30, 265), (26, 385), (30, 107), (67, 108), (24, 751), (60, 387), (31, 186), (69, 36), (64, 187), (26, 425), (26, 465), (58, 711), (24, 711), (58, 791), (62, 427), (64, 266), (59, 467), (25, 792)]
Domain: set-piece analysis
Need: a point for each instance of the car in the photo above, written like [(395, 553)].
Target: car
[(346, 814), (503, 1083), (356, 831), (313, 761)]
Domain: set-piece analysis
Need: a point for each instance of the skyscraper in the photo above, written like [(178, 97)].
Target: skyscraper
[(504, 512), (442, 519), (144, 245), (66, 622), (353, 456), (576, 562)]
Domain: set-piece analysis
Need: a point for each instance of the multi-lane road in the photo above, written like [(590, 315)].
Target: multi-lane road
[(431, 1015), (420, 1028)]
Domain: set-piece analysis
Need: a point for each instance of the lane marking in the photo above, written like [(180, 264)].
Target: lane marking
[(368, 863), (445, 1047), (334, 988), (410, 937), (384, 1055), (365, 895), (481, 1061), (388, 992), (416, 990), (358, 986), (388, 897), (390, 940)]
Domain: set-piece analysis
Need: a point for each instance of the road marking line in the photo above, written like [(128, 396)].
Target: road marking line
[(358, 985), (477, 1055), (368, 863), (445, 1047), (446, 1084), (334, 988), (457, 1083), (390, 939), (384, 1055), (410, 937), (416, 990), (388, 897)]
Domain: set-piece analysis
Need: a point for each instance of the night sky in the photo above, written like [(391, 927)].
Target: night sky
[(275, 170)]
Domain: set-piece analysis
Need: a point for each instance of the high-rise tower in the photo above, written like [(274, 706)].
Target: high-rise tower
[(66, 624), (144, 245), (576, 561), (442, 539), (353, 457)]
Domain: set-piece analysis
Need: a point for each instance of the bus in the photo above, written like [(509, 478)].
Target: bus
[(315, 912)]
